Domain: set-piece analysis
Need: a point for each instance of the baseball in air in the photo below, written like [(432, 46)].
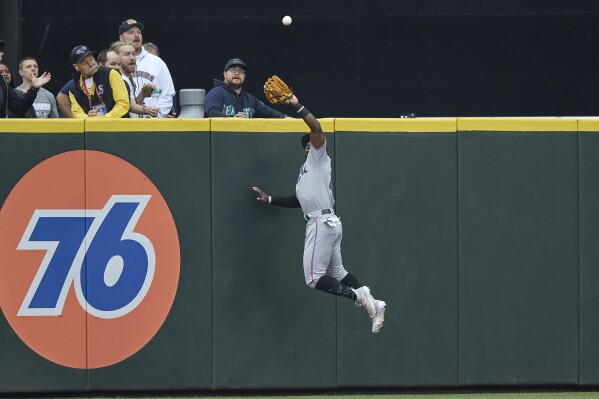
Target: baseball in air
[(286, 20)]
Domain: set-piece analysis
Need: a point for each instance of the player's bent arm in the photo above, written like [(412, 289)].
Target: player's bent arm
[(316, 135)]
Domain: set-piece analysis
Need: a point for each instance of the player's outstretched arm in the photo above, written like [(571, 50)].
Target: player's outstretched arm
[(316, 135), (285, 202), (262, 196)]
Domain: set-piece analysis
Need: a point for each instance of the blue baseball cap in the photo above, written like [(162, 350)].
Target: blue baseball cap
[(235, 61)]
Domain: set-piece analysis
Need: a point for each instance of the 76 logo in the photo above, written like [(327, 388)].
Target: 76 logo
[(111, 266)]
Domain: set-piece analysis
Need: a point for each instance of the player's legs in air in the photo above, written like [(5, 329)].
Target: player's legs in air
[(323, 269)]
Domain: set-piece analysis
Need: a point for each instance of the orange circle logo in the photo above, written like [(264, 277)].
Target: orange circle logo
[(90, 259)]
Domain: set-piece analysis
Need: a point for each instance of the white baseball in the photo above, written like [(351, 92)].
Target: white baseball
[(287, 20)]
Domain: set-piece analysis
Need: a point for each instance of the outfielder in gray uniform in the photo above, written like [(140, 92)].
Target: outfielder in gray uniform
[(323, 266)]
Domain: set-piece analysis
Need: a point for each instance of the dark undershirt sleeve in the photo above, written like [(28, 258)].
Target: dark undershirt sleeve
[(285, 202)]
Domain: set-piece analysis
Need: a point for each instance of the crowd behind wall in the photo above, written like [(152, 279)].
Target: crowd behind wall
[(464, 58)]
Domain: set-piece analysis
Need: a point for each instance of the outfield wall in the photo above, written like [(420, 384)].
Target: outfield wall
[(480, 234)]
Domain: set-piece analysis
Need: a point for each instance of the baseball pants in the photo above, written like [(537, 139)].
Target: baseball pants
[(322, 249)]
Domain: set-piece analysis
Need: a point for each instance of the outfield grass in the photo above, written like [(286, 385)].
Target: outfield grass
[(523, 395)]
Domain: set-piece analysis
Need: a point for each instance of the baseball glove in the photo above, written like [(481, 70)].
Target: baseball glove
[(276, 91)]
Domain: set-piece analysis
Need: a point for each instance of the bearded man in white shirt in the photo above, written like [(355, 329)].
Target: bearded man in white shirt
[(151, 76)]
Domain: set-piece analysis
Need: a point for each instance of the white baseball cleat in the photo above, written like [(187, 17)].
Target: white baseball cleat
[(365, 299), (379, 318)]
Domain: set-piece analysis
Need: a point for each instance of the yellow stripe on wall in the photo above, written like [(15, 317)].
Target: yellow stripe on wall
[(41, 125), (518, 124), (588, 125), (396, 125), (242, 125), (147, 125), (329, 125)]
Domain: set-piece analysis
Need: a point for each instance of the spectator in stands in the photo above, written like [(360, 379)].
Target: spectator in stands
[(44, 104), (152, 48), (228, 99), (151, 76), (127, 57), (11, 101), (98, 92), (106, 58), (109, 59), (6, 74)]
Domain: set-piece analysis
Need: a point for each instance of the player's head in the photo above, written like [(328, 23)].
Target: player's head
[(306, 143), (234, 73)]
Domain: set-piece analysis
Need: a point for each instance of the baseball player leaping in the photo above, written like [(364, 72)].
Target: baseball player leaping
[(323, 266)]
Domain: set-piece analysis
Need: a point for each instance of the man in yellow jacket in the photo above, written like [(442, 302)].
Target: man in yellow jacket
[(98, 91)]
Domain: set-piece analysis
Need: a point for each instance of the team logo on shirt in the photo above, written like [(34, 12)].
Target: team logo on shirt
[(90, 259), (144, 75), (303, 171)]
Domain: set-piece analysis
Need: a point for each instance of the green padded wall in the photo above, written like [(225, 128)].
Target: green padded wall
[(24, 146), (397, 197), (518, 231), (589, 252), (177, 160), (270, 329), (482, 242)]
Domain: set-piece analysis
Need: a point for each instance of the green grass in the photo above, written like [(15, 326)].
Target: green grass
[(523, 395)]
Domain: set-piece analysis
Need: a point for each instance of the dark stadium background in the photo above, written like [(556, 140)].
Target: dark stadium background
[(377, 58)]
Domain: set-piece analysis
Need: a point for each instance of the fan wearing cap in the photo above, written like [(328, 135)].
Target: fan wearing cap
[(11, 100), (229, 99), (98, 91), (151, 75)]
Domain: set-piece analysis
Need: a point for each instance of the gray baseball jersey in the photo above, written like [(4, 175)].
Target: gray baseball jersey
[(314, 188), (322, 247)]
